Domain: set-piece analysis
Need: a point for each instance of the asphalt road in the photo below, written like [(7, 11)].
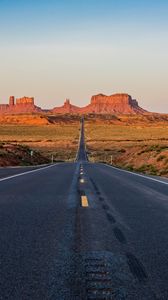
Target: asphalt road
[(10, 171), (83, 231)]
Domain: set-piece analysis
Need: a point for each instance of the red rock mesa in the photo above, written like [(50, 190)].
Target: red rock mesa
[(22, 105), (100, 104), (67, 107)]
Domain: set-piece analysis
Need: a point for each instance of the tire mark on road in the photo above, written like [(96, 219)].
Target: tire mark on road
[(105, 206), (136, 267), (110, 218), (119, 235)]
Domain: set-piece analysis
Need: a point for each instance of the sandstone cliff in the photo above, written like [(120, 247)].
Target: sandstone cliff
[(66, 108), (22, 105), (115, 104), (102, 104)]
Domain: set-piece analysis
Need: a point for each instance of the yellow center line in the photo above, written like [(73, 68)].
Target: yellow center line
[(84, 201)]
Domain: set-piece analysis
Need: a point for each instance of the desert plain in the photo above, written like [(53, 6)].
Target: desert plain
[(133, 142)]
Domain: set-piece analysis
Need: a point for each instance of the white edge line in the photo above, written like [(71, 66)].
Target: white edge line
[(28, 172), (22, 167), (136, 174)]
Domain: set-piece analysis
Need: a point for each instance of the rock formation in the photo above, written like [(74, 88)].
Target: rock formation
[(116, 104), (22, 105), (66, 108), (25, 101), (100, 104)]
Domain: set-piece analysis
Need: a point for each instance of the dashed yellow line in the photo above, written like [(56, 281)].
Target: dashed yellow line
[(84, 201)]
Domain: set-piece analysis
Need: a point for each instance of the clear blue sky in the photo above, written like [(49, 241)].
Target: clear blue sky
[(55, 49)]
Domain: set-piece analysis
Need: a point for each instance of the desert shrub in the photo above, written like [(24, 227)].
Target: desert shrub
[(129, 167), (142, 168), (153, 148), (122, 150), (153, 170), (161, 157), (2, 152), (163, 172), (148, 168)]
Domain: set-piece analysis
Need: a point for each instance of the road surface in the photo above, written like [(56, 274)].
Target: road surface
[(82, 231)]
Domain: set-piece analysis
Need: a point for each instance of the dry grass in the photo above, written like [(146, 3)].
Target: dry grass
[(135, 143), (140, 148), (14, 155), (60, 140)]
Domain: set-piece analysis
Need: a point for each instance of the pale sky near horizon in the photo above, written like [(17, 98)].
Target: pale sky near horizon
[(57, 49)]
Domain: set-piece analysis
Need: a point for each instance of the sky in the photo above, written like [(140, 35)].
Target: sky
[(57, 49)]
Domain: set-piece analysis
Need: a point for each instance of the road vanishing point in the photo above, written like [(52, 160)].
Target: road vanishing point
[(82, 230)]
